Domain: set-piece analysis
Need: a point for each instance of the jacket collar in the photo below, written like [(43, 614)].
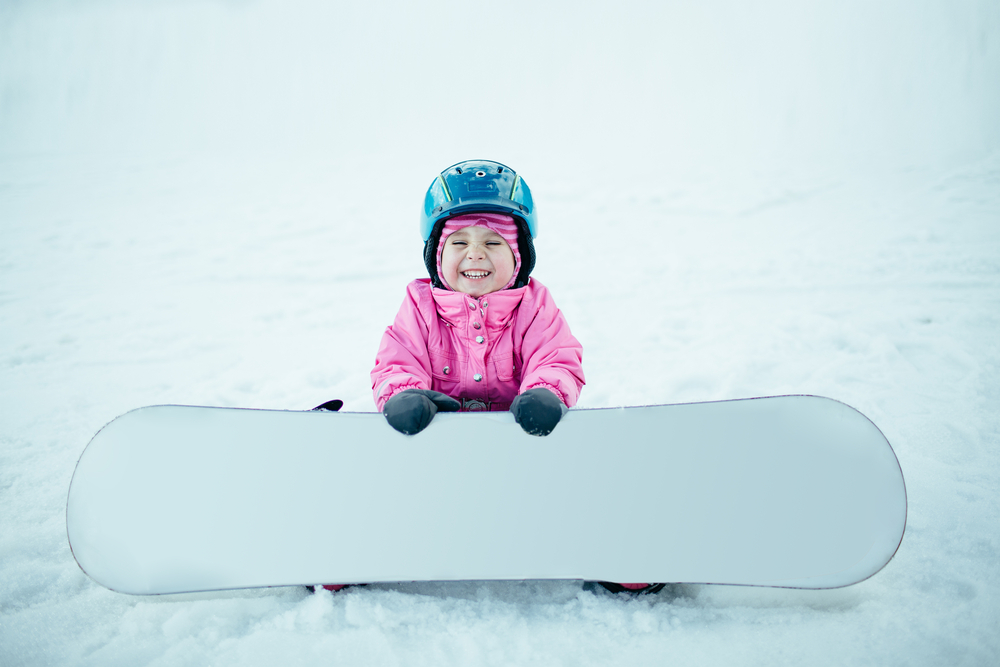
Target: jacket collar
[(495, 309)]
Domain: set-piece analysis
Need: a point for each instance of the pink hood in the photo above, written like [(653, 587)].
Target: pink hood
[(522, 342)]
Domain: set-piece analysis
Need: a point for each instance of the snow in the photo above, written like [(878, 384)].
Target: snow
[(215, 203)]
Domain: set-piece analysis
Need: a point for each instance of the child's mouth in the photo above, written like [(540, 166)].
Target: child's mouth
[(475, 275)]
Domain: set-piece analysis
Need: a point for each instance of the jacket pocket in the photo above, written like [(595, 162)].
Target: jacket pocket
[(445, 374), (504, 367)]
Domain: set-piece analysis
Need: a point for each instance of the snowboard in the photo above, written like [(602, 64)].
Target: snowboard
[(788, 491)]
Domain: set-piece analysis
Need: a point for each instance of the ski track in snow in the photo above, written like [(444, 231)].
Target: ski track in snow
[(231, 278)]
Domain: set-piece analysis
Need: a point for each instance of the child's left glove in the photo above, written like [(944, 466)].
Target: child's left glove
[(411, 410), (538, 411)]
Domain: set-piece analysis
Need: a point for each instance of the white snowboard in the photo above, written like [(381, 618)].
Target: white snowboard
[(793, 491)]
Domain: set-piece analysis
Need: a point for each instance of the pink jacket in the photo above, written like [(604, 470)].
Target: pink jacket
[(488, 349)]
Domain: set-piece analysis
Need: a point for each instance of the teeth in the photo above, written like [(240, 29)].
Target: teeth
[(475, 274)]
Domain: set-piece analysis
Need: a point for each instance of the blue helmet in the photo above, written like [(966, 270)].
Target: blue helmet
[(477, 186)]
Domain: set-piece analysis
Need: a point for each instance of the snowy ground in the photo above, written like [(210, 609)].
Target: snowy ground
[(148, 256)]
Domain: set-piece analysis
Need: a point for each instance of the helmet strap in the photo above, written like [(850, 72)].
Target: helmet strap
[(430, 254)]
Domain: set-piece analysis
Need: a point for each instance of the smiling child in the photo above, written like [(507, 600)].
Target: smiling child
[(479, 333)]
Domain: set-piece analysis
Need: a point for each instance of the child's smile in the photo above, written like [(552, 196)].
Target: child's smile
[(477, 261)]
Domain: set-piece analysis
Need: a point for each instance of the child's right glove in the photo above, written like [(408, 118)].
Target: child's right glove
[(538, 411), (411, 410)]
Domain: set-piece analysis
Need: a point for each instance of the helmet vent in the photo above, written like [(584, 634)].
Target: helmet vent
[(499, 170), (480, 173), (458, 169)]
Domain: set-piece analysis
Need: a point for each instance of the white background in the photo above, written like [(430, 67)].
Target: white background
[(216, 203)]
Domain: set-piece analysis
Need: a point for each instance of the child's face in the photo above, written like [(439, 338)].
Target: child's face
[(477, 261)]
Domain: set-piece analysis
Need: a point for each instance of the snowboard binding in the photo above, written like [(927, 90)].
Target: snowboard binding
[(612, 587)]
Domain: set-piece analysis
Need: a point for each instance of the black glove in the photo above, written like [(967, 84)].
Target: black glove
[(538, 411), (411, 410)]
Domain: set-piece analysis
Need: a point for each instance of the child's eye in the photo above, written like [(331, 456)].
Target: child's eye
[(457, 242)]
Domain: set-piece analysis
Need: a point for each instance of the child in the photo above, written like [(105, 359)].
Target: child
[(479, 334)]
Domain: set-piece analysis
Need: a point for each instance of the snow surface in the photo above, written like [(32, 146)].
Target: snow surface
[(215, 203)]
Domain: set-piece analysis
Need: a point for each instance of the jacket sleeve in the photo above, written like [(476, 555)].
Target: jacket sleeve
[(551, 356), (402, 361)]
